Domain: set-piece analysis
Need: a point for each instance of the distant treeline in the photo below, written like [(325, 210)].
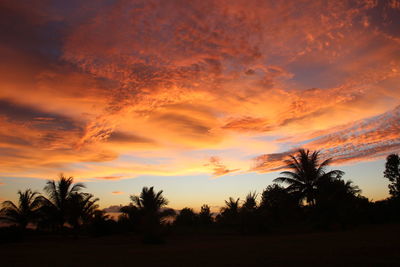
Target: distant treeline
[(306, 197)]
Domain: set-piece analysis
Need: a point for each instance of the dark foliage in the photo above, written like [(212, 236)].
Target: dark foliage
[(229, 215), (392, 173), (279, 207), (101, 224), (315, 199), (25, 212), (62, 195), (152, 213), (186, 217), (205, 216), (306, 172)]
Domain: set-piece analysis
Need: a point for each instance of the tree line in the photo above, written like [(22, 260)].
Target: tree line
[(305, 197)]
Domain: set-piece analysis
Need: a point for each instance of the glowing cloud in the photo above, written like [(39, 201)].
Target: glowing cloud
[(117, 192), (117, 89)]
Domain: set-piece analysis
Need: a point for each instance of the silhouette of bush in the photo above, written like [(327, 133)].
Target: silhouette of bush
[(186, 217), (278, 207), (205, 216), (101, 224)]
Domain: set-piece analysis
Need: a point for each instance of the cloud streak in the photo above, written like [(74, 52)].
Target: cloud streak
[(366, 139), (117, 192)]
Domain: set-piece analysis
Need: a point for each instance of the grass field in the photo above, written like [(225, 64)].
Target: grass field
[(376, 245)]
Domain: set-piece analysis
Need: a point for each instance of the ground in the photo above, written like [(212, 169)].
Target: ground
[(376, 245)]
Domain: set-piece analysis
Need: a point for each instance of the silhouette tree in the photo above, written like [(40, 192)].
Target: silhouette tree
[(152, 212), (392, 173), (249, 213), (102, 224), (250, 203), (81, 209), (306, 173), (229, 214), (60, 194), (278, 206), (186, 217), (232, 206), (205, 215), (130, 218), (276, 196), (25, 212), (338, 202)]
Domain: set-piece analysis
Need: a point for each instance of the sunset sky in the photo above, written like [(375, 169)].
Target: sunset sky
[(202, 99)]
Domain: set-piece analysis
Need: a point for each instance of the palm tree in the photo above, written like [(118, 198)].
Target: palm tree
[(27, 210), (81, 209), (249, 213), (230, 213), (306, 173), (149, 201), (59, 195), (151, 207), (250, 203), (232, 206)]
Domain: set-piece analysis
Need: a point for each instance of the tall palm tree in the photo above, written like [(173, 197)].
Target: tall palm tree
[(81, 208), (151, 207), (59, 194), (25, 212), (306, 173), (149, 201)]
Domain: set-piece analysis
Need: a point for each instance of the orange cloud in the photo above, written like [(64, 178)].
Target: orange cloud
[(367, 139), (117, 192), (218, 168), (118, 90)]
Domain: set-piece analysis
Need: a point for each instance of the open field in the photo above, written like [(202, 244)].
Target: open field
[(366, 246)]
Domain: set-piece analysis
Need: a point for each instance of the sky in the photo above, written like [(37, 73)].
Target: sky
[(201, 99)]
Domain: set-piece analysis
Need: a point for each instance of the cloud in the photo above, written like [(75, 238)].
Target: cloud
[(218, 167), (119, 89), (367, 139), (120, 137), (117, 192), (109, 177)]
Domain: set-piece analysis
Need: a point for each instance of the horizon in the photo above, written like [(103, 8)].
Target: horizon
[(203, 100)]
